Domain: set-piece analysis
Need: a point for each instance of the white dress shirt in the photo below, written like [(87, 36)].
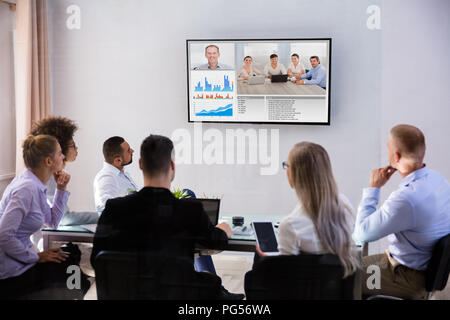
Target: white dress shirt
[(296, 69), (110, 183), (297, 233), (244, 74), (280, 69)]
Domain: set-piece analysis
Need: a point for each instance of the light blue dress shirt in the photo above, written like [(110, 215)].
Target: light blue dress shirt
[(23, 211), (220, 66), (414, 217), (318, 76)]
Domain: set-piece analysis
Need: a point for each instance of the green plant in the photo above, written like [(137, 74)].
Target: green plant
[(180, 194)]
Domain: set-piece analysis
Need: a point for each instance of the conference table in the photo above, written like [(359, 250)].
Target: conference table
[(279, 88), (242, 238)]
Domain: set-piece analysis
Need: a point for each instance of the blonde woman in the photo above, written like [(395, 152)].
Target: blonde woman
[(322, 222), (23, 210), (248, 70)]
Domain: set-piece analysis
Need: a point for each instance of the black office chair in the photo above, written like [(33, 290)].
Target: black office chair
[(151, 276), (436, 275), (302, 277)]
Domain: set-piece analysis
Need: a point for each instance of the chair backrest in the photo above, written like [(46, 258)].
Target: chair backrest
[(302, 277), (438, 269), (151, 276)]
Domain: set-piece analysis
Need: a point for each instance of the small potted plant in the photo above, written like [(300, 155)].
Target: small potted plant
[(181, 193)]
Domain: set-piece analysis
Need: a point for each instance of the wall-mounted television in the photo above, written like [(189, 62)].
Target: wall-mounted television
[(273, 81)]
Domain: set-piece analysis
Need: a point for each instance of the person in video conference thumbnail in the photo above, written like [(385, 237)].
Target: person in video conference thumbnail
[(212, 54), (274, 68), (318, 74)]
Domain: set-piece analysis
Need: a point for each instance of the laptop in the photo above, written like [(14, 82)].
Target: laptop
[(211, 207), (280, 78), (256, 80)]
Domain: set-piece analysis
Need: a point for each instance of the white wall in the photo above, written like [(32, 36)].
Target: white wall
[(416, 80), (7, 112), (107, 75), (124, 73)]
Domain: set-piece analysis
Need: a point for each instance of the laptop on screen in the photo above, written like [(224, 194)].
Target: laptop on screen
[(280, 78), (256, 80), (211, 207)]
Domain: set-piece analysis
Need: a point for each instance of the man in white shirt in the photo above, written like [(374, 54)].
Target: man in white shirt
[(274, 68), (112, 181)]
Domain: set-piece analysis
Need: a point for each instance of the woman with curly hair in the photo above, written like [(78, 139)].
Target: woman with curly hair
[(63, 129)]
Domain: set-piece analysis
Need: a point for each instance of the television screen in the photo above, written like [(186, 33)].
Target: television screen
[(259, 81)]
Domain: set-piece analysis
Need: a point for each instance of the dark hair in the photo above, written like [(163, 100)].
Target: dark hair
[(295, 55), (112, 148), (156, 155), (315, 57), (273, 56), (248, 57), (62, 129), (37, 148)]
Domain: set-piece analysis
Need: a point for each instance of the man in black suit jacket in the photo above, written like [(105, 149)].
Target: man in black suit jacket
[(153, 220)]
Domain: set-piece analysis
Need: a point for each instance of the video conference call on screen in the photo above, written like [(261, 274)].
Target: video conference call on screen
[(259, 81)]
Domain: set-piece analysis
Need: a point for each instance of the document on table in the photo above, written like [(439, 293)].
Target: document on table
[(242, 231), (89, 227)]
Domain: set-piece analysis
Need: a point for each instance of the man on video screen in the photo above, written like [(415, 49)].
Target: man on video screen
[(212, 53)]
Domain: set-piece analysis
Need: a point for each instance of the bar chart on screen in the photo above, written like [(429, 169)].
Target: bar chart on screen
[(214, 93)]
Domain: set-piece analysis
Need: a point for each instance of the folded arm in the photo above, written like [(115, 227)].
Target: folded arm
[(15, 211), (395, 215), (54, 216), (321, 75)]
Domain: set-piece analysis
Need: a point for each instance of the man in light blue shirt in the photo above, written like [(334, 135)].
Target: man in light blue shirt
[(112, 181), (414, 217), (318, 74), (212, 54)]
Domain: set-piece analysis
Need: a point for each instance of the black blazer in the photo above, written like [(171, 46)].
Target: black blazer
[(153, 220)]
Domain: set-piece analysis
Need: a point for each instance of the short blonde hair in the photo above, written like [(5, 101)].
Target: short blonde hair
[(212, 45), (409, 141), (37, 148)]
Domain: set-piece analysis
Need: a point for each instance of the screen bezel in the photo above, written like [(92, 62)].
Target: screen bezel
[(201, 200), (328, 123)]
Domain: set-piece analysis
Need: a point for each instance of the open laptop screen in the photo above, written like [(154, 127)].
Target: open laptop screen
[(211, 207)]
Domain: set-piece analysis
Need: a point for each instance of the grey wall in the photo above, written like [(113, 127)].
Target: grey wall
[(416, 76), (7, 115), (415, 80), (124, 73)]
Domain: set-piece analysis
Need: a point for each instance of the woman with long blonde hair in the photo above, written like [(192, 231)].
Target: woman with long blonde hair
[(322, 222)]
